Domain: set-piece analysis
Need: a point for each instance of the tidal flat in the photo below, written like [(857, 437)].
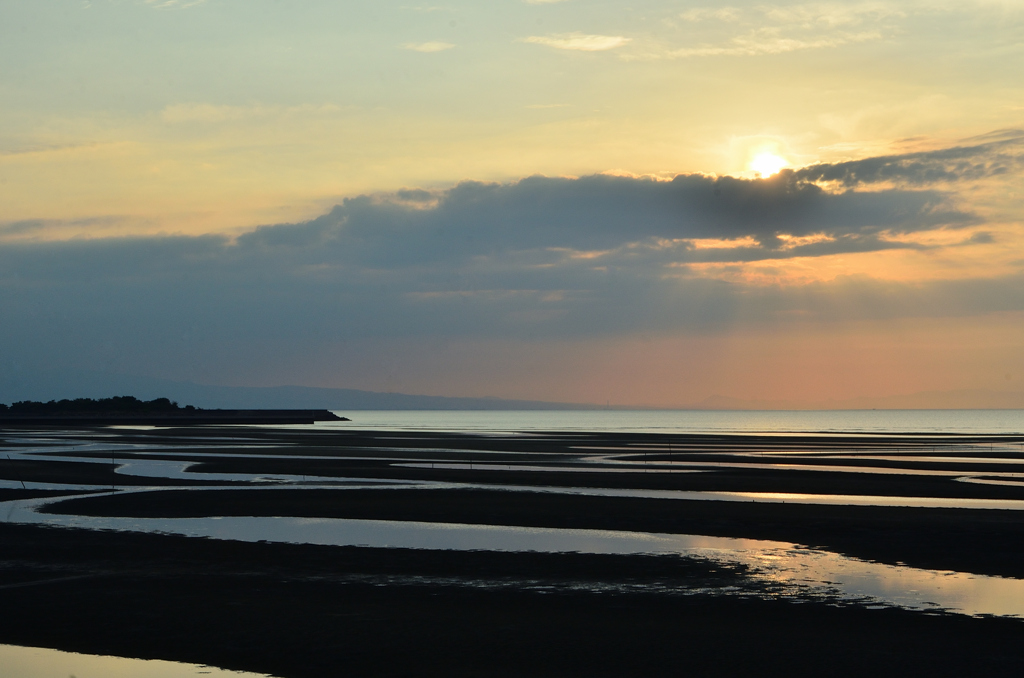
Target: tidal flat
[(548, 553)]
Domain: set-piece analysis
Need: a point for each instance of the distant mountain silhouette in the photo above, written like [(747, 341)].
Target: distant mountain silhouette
[(964, 399), (56, 385), (46, 385)]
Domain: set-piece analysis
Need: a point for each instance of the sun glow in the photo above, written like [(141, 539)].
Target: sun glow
[(767, 164)]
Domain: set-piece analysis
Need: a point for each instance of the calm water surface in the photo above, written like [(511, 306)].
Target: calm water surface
[(800, 573), (692, 421)]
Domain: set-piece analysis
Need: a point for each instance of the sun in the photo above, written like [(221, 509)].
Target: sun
[(767, 164)]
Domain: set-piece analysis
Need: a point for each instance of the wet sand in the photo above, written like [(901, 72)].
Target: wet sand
[(966, 540), (302, 610)]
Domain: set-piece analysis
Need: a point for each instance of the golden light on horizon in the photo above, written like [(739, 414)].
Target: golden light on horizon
[(766, 164)]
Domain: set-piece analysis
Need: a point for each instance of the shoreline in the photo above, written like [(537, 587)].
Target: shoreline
[(179, 417)]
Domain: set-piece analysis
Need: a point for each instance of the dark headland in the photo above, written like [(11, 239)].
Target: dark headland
[(128, 410)]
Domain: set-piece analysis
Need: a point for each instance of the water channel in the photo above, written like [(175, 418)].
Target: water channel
[(795, 572)]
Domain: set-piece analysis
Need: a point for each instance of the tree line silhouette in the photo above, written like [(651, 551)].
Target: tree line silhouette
[(115, 404)]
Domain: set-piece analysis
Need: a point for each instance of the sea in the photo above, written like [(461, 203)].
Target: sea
[(879, 422)]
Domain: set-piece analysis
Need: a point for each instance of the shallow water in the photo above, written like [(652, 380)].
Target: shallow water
[(780, 497), (691, 421), (37, 662), (790, 571), (141, 460), (800, 573)]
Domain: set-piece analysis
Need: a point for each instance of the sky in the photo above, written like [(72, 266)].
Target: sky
[(632, 203)]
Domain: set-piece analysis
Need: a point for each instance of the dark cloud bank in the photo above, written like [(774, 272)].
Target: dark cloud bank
[(538, 258)]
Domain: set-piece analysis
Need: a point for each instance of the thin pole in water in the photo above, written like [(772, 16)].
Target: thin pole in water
[(20, 481)]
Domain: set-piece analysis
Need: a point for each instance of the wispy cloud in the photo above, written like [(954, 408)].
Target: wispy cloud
[(777, 29), (828, 14), (433, 46), (706, 13), (578, 41), (38, 148), (771, 41), (999, 154), (215, 113), (173, 4), (42, 230)]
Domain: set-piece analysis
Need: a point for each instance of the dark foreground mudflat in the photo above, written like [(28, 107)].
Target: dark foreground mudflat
[(299, 611)]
